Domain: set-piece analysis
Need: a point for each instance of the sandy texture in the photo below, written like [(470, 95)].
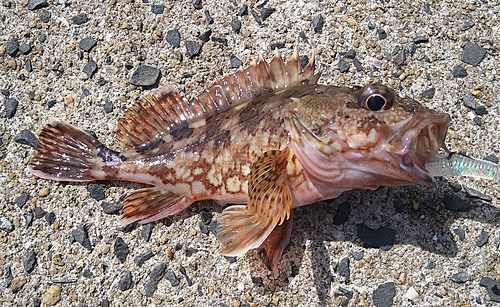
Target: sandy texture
[(325, 264)]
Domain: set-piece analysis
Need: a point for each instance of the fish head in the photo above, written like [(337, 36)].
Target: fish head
[(369, 136)]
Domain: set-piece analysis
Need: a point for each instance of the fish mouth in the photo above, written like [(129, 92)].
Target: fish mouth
[(420, 141)]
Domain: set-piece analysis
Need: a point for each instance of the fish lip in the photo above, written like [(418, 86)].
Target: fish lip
[(420, 141)]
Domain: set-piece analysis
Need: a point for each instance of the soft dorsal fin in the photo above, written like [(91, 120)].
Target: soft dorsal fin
[(163, 110)]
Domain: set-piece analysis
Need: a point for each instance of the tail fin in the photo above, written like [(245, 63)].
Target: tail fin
[(67, 153)]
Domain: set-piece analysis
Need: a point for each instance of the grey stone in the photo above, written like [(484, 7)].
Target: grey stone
[(473, 54), (384, 294), (142, 258), (111, 208), (205, 36), (151, 284), (206, 217), (157, 9), (357, 65), (87, 273), (45, 16), (87, 44), (7, 276), (80, 234), (459, 71), (12, 47), (37, 4), (28, 219), (469, 101), (183, 272), (27, 137), (454, 202), (235, 24), (104, 303), (350, 54), (6, 225), (481, 110), (381, 237), (256, 16), (381, 34), (243, 10), (358, 255), (477, 194), (39, 212), (90, 68), (29, 262), (460, 233), (121, 250), (172, 278), (420, 40), (146, 231), (493, 287), (145, 76), (25, 48), (467, 25), (400, 58), (429, 93), (318, 24), (344, 270), (50, 218), (96, 191), (11, 107), (173, 37), (265, 12), (126, 282), (197, 4), (193, 49), (491, 158), (80, 19), (22, 199), (482, 238), (461, 277), (108, 107), (28, 65), (343, 66), (208, 18)]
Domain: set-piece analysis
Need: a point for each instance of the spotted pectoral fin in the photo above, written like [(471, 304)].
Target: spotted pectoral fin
[(272, 248), (241, 228), (151, 204)]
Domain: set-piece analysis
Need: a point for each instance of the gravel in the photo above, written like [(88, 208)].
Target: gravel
[(121, 249), (11, 107), (473, 54), (80, 235), (145, 76)]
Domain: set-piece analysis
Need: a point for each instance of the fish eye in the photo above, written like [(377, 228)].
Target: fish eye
[(376, 98)]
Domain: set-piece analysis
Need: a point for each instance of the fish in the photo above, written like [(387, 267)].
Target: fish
[(265, 139)]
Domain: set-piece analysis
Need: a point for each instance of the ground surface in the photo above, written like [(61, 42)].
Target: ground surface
[(325, 264)]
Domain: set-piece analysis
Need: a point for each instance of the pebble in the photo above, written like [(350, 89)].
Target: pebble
[(104, 303), (469, 101), (412, 294), (39, 212), (80, 19), (126, 282), (108, 107), (183, 272), (381, 237), (400, 58), (157, 9), (12, 47), (220, 40), (206, 217), (90, 68), (197, 4), (243, 11), (384, 294), (172, 278), (427, 8), (28, 66), (357, 65), (482, 238), (265, 12), (111, 208), (173, 37), (343, 269), (412, 48), (145, 76), (318, 24), (234, 62), (193, 49), (96, 191), (25, 48), (429, 93), (473, 54), (147, 230), (17, 284), (50, 218), (235, 24), (7, 276), (477, 194), (358, 255), (467, 25), (151, 284), (87, 44), (454, 202), (80, 234), (6, 225), (37, 4), (205, 36), (121, 249), (461, 277), (381, 34), (52, 296), (45, 16), (87, 273), (142, 258), (208, 18), (29, 262), (459, 71), (420, 40), (256, 16), (350, 54), (460, 233), (27, 137), (343, 66), (342, 214), (481, 110), (28, 219), (493, 287)]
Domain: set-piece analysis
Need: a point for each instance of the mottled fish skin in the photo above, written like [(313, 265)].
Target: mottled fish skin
[(267, 137)]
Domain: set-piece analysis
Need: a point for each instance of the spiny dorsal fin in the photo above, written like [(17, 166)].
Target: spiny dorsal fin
[(163, 110)]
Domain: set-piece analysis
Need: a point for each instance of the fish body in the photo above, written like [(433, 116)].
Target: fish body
[(266, 139)]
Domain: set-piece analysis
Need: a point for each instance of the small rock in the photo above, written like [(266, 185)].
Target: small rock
[(303, 36), (7, 276), (11, 107), (90, 68), (427, 8), (96, 191), (50, 218), (172, 278), (400, 58), (151, 284), (80, 234), (420, 40), (461, 277), (344, 270), (265, 12), (28, 220), (6, 224), (358, 255), (52, 296), (357, 65), (157, 9), (39, 212), (243, 10), (146, 231), (45, 16), (412, 294), (12, 47), (350, 54), (37, 4), (197, 4), (467, 25), (482, 238), (469, 101), (342, 214), (104, 303), (481, 110), (191, 251), (206, 217), (205, 36), (80, 19), (87, 44), (17, 284), (25, 48), (384, 294), (473, 54), (381, 237), (145, 76), (477, 194), (318, 24), (183, 272), (87, 273), (108, 107), (431, 265), (493, 288), (173, 37), (126, 281), (429, 93), (459, 71), (460, 233), (454, 202), (256, 16), (208, 18), (28, 66), (30, 261), (235, 24), (381, 34), (121, 249), (343, 66), (142, 258), (111, 208), (412, 48), (230, 259), (193, 49)]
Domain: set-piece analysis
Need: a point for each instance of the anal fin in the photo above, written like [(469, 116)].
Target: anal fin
[(151, 204)]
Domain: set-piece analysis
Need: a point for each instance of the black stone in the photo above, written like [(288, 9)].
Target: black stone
[(111, 208), (101, 81), (197, 4), (39, 212), (7, 276), (145, 76), (193, 49), (80, 234), (51, 103), (86, 91), (493, 287), (191, 251), (454, 202), (342, 214), (90, 68), (467, 25), (477, 194), (22, 199), (420, 40), (203, 228), (473, 54), (28, 219), (459, 71), (172, 278), (6, 224), (256, 16), (37, 4), (146, 231), (11, 107), (304, 60), (157, 9), (265, 12), (412, 48), (5, 92), (30, 261), (121, 249), (469, 101), (183, 272), (277, 45), (235, 24), (142, 258), (357, 65), (400, 58), (343, 269), (28, 66), (350, 54), (460, 233), (25, 48), (371, 25), (208, 18), (108, 107), (96, 191), (173, 37), (303, 36), (151, 284), (429, 93), (243, 10), (343, 66), (380, 237), (50, 218), (384, 294), (461, 277), (205, 36), (482, 238), (318, 24), (104, 303), (126, 282), (45, 16), (87, 44), (128, 65), (87, 273), (491, 158), (481, 110), (206, 217), (27, 137), (381, 34), (12, 47), (431, 205), (80, 19), (220, 40), (230, 259)]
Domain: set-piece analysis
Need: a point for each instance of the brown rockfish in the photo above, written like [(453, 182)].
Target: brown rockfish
[(267, 138)]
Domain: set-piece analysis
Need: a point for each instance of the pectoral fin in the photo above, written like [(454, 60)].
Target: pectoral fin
[(241, 228)]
